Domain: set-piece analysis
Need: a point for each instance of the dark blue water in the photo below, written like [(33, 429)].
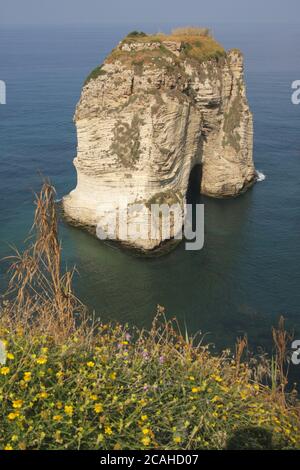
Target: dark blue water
[(248, 272)]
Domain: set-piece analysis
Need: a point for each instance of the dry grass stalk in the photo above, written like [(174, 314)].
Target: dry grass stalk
[(241, 345), (191, 31), (281, 340), (39, 295)]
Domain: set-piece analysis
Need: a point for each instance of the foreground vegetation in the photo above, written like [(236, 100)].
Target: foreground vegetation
[(69, 383)]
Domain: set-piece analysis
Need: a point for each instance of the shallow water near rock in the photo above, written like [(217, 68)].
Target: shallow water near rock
[(248, 271)]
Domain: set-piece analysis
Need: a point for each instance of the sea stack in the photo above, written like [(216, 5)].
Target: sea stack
[(158, 106)]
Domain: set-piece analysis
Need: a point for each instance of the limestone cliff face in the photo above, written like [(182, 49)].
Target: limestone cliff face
[(148, 115)]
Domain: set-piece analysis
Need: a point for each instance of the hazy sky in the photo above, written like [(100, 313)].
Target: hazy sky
[(134, 11)]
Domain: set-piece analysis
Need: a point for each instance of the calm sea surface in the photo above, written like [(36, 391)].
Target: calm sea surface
[(249, 270)]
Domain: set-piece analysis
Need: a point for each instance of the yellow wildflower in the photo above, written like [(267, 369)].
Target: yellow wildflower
[(217, 378), (4, 370), (69, 410), (113, 376), (8, 447), (195, 389), (146, 441), (94, 397), (41, 360), (59, 405), (43, 395), (10, 356), (27, 376), (177, 439), (17, 403), (57, 418), (144, 417), (90, 364), (13, 416), (98, 408), (108, 431), (145, 431)]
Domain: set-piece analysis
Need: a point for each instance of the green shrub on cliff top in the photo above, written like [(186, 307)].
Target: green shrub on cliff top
[(95, 73), (136, 34)]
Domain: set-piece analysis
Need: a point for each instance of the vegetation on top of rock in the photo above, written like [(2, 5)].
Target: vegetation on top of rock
[(191, 31), (95, 73), (202, 49), (136, 34), (193, 43)]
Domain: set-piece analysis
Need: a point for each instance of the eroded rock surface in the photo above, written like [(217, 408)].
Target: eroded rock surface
[(157, 107)]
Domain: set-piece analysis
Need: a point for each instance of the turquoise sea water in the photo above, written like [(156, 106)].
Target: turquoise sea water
[(249, 270)]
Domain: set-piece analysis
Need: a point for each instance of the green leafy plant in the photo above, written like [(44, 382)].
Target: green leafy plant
[(134, 34), (95, 74)]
